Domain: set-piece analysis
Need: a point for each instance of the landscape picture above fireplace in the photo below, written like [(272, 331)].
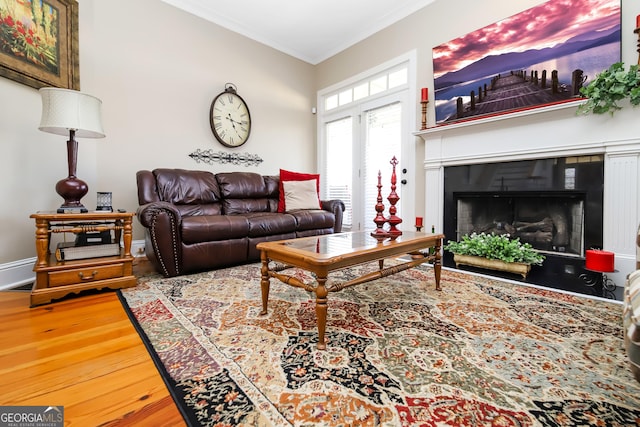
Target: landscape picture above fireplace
[(539, 57)]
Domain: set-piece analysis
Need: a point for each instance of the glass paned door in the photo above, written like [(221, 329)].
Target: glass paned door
[(357, 146), (338, 166), (383, 141)]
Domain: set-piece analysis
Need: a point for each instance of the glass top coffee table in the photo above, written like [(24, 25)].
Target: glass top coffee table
[(324, 254)]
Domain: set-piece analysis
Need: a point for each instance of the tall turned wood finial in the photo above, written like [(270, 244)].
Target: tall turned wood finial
[(379, 233), (393, 198)]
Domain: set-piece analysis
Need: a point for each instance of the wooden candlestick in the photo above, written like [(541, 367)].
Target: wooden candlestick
[(424, 114), (637, 31)]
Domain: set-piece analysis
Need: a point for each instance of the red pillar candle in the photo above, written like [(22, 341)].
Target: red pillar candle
[(425, 94), (418, 221), (638, 21), (598, 260)]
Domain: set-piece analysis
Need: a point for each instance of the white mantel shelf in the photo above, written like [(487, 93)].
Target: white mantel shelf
[(498, 117)]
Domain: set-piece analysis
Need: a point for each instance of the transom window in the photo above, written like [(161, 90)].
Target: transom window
[(393, 78)]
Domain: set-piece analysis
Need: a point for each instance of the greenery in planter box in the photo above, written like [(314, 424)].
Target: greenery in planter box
[(495, 246), (609, 87)]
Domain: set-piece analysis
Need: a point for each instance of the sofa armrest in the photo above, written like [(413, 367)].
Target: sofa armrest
[(162, 222), (336, 207)]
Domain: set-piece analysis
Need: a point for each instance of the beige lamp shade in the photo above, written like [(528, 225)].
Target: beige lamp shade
[(73, 114), (65, 109)]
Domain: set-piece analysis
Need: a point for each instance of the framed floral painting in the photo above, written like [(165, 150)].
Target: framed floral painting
[(39, 42)]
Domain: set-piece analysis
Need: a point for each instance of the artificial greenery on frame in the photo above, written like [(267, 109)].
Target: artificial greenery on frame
[(610, 86), (495, 246)]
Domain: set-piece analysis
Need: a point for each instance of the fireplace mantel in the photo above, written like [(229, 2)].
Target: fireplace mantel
[(552, 132), (499, 117)]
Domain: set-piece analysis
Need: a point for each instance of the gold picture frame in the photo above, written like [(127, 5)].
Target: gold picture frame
[(39, 43)]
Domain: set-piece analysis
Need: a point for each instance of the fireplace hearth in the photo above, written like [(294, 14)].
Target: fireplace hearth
[(555, 204)]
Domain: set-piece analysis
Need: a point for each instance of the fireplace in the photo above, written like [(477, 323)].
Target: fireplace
[(555, 204), (552, 222)]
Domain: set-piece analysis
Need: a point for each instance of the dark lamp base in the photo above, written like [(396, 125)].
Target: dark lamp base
[(72, 189)]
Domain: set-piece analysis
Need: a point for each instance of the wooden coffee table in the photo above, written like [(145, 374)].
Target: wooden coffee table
[(324, 254)]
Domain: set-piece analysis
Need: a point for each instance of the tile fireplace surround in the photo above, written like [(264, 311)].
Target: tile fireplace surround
[(550, 132)]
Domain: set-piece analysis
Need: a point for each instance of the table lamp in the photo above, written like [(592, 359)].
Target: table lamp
[(77, 114)]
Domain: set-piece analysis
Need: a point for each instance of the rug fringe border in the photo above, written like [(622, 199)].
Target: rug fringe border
[(177, 397)]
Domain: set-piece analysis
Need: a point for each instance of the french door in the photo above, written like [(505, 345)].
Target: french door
[(357, 144)]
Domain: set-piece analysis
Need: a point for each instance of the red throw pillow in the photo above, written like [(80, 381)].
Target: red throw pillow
[(286, 175)]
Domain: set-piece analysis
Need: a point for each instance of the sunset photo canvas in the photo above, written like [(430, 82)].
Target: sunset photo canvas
[(538, 57)]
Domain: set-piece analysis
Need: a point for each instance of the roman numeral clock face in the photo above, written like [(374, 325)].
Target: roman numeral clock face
[(230, 119)]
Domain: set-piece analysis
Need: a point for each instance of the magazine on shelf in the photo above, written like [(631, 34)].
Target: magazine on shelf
[(69, 251)]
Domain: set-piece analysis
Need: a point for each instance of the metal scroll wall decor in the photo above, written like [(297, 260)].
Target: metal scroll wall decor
[(209, 156)]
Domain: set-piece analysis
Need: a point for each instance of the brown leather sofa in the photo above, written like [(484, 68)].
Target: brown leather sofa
[(197, 220)]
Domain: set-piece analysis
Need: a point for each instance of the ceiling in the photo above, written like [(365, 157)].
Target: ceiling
[(310, 30)]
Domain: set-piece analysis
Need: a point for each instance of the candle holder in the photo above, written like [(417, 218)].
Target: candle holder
[(598, 263), (637, 31), (602, 284), (424, 114)]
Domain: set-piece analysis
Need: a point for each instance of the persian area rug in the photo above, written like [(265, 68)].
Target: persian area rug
[(479, 352)]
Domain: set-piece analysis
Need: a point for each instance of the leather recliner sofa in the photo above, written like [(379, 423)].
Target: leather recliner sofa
[(197, 220)]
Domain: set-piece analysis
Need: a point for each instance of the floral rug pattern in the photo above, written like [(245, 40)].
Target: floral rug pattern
[(481, 352)]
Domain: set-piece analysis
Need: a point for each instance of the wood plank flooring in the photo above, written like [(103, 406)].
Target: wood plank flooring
[(82, 353)]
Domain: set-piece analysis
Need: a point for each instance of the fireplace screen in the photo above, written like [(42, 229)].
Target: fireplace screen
[(551, 222)]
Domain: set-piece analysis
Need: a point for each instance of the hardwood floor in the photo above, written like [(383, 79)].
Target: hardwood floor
[(82, 353)]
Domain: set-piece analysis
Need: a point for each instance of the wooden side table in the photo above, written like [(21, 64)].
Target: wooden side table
[(56, 279)]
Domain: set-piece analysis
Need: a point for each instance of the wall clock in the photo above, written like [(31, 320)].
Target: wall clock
[(229, 117)]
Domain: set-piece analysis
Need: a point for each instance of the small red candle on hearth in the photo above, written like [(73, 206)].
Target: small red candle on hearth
[(638, 21), (425, 94), (418, 221), (598, 260)]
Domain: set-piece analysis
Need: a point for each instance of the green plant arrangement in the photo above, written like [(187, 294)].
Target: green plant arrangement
[(609, 87), (496, 246)]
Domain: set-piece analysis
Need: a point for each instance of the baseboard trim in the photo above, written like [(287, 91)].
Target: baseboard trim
[(137, 248), (18, 273)]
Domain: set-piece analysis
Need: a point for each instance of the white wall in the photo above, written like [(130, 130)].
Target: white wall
[(156, 69)]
